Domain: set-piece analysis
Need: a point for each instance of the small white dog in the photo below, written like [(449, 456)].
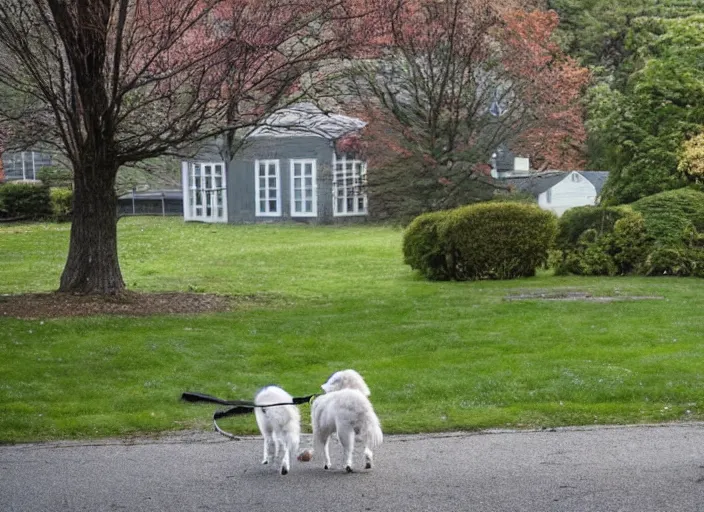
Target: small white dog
[(280, 425), (345, 409)]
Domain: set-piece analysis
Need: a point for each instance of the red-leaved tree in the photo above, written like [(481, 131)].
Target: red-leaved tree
[(445, 84)]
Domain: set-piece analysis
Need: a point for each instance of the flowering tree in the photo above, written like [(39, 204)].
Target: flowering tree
[(114, 82), (448, 82)]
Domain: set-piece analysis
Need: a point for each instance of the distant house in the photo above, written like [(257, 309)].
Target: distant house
[(556, 191), (24, 165), (287, 169)]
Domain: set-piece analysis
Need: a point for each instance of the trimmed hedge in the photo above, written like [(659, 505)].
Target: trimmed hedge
[(494, 240), (670, 216), (25, 200), (661, 234), (576, 221), (61, 204), (422, 249)]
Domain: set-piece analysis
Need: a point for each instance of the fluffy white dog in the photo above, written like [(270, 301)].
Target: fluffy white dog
[(345, 409), (280, 425)]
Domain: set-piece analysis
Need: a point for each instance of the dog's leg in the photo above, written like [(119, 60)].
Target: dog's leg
[(326, 449), (347, 441), (286, 462), (276, 445), (368, 458), (267, 440)]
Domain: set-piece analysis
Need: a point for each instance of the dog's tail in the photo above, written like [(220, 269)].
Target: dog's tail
[(374, 436)]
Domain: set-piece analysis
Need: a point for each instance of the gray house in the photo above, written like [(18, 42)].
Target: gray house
[(287, 169)]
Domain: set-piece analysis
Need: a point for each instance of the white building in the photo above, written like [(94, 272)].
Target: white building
[(556, 191)]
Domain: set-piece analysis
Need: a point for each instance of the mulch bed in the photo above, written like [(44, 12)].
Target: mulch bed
[(56, 305)]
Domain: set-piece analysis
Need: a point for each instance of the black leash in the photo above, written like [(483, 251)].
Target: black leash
[(241, 406)]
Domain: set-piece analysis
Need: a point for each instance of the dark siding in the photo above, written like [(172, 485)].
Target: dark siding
[(241, 184)]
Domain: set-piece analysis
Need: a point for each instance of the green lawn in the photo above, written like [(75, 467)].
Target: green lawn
[(437, 356)]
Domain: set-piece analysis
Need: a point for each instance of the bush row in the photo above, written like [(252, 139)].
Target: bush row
[(35, 202), (497, 240), (659, 234)]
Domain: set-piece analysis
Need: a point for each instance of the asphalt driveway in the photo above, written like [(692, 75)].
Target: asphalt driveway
[(640, 469)]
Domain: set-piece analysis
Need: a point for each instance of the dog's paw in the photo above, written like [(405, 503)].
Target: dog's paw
[(284, 471), (348, 469), (327, 467), (265, 462), (368, 465)]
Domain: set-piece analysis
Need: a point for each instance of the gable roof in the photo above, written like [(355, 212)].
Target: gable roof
[(306, 119), (539, 182), (596, 178), (536, 183)]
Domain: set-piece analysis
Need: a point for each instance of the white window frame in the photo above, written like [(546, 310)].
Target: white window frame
[(314, 189), (257, 188), (190, 189), (359, 182)]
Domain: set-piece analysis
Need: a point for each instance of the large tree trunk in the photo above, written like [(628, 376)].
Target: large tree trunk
[(92, 266)]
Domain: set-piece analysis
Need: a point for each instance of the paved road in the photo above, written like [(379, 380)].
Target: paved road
[(638, 469)]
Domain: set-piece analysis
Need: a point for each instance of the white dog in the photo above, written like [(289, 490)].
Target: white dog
[(280, 425), (345, 409)]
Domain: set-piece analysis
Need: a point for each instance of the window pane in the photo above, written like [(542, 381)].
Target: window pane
[(309, 169), (272, 193), (207, 170), (262, 170), (218, 170), (361, 204), (272, 169), (297, 194), (297, 206), (340, 205), (309, 206), (350, 204), (262, 193), (296, 182), (272, 182), (272, 206), (262, 206), (309, 182), (296, 169)]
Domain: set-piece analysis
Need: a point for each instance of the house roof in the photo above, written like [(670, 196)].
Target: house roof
[(536, 183), (306, 119), (596, 178)]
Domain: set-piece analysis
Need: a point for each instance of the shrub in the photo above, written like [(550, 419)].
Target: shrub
[(61, 204), (668, 261), (55, 177), (669, 216), (422, 248), (25, 200), (629, 244), (576, 221), (496, 240)]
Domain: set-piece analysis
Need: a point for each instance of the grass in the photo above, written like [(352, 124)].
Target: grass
[(437, 356)]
